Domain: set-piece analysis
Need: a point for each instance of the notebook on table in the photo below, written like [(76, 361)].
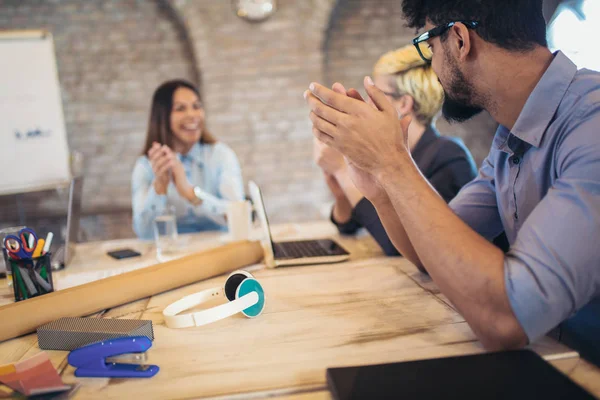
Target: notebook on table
[(520, 374)]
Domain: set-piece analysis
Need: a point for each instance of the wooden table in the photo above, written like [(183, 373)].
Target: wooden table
[(372, 309)]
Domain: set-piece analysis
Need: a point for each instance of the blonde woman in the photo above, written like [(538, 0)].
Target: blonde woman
[(413, 88)]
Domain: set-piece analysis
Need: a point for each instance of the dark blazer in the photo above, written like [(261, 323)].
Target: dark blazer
[(443, 160)]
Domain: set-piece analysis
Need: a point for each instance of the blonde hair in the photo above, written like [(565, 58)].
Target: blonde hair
[(413, 77)]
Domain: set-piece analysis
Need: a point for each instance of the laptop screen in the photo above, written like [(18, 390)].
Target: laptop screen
[(73, 219), (259, 206)]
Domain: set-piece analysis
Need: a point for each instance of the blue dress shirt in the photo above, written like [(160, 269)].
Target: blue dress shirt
[(212, 167), (541, 185)]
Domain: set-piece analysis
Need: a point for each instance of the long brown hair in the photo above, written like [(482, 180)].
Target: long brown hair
[(159, 126)]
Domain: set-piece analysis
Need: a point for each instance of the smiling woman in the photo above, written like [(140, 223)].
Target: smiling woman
[(183, 166)]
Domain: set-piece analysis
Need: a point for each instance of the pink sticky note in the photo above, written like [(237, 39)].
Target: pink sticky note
[(34, 375)]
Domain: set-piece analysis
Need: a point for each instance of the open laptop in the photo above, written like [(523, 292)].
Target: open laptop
[(297, 252)]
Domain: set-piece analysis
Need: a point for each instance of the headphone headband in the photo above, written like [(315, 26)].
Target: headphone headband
[(244, 292)]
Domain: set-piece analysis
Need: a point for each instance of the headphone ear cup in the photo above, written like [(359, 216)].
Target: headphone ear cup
[(247, 286), (233, 282)]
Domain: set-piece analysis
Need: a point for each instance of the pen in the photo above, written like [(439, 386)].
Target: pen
[(42, 282), (27, 280), (43, 272), (38, 248), (49, 238), (19, 281), (30, 241)]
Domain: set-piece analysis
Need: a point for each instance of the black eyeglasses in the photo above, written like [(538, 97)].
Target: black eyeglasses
[(437, 31), (394, 95)]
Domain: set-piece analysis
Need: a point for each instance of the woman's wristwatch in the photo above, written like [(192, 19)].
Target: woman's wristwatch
[(198, 196)]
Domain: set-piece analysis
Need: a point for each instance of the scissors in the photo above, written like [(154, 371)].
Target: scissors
[(21, 246)]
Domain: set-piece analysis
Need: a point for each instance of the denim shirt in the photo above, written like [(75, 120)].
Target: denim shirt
[(212, 167), (541, 185)]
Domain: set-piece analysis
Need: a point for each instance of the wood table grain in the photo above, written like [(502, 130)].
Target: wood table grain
[(371, 309)]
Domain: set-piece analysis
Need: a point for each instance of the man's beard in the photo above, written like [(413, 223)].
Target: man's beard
[(458, 106)]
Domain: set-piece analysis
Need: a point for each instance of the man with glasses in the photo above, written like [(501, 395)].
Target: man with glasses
[(540, 182)]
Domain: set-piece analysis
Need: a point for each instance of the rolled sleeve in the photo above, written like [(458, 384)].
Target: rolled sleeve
[(154, 201), (146, 203), (212, 204), (552, 269), (226, 180)]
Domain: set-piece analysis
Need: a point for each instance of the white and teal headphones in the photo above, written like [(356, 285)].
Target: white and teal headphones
[(244, 293)]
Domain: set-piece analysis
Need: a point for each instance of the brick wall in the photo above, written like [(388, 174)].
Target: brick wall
[(253, 77), (359, 33), (111, 55)]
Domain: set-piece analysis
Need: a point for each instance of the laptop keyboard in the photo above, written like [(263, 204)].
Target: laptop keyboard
[(299, 249)]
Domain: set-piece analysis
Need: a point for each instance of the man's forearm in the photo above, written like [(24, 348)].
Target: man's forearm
[(395, 230), (466, 267), (387, 215), (350, 190)]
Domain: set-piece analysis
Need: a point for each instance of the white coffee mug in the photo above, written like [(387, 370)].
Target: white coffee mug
[(239, 220)]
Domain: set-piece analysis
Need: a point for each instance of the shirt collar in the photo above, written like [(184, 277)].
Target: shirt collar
[(544, 100), (429, 136), (195, 154)]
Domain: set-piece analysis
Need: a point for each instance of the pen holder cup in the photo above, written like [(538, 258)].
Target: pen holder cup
[(31, 277)]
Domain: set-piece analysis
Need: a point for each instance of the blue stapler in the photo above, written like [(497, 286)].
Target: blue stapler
[(91, 360)]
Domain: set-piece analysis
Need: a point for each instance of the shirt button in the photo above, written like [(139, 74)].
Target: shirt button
[(516, 216), (516, 160)]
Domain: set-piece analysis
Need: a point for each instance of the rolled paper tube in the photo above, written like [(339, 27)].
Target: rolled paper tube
[(25, 316)]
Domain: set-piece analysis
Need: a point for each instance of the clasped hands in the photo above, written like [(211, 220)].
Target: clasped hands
[(167, 167), (368, 134)]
